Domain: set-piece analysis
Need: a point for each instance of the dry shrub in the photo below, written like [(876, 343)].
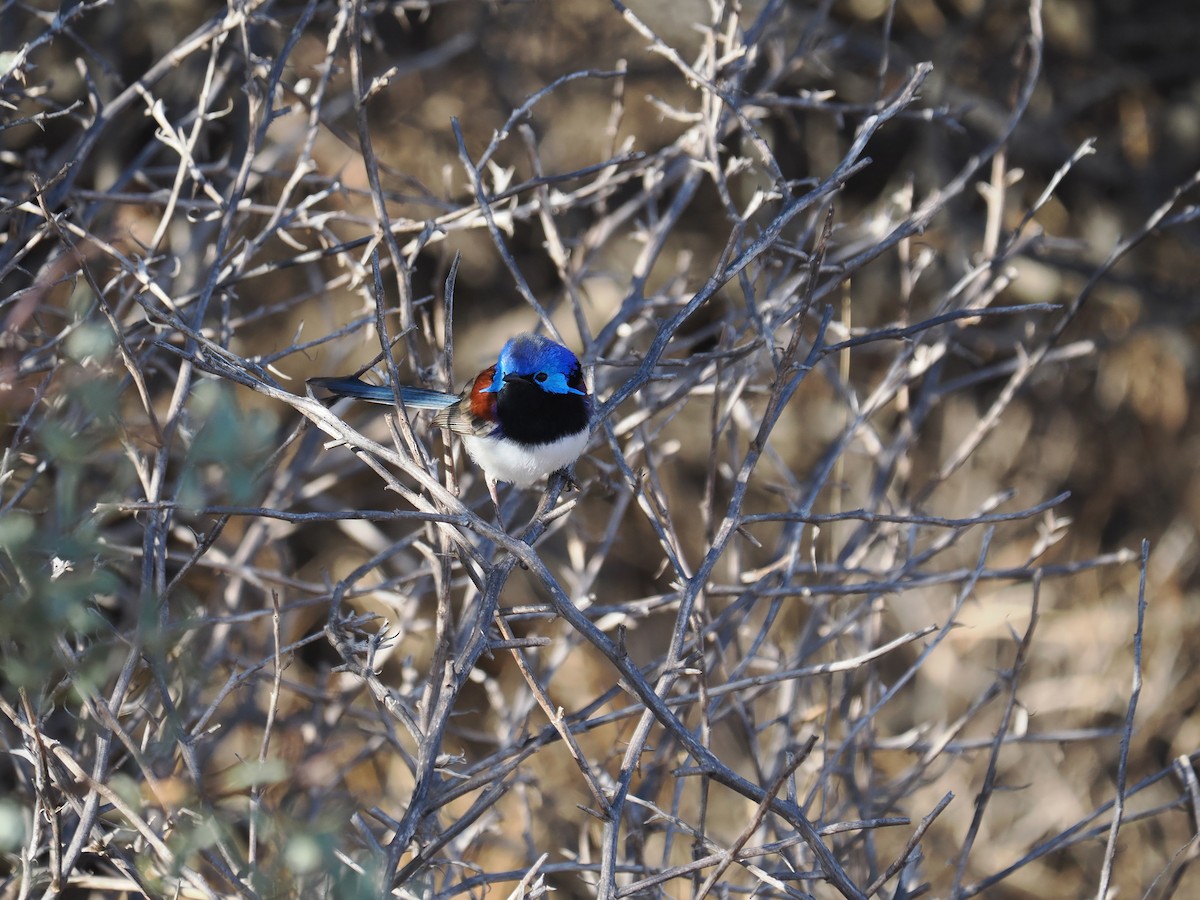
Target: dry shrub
[(849, 600)]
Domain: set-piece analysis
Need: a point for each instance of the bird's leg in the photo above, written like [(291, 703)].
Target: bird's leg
[(491, 486)]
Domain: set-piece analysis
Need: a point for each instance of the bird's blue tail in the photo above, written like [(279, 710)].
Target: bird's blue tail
[(416, 398)]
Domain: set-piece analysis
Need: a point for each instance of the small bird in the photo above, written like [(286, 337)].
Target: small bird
[(525, 417)]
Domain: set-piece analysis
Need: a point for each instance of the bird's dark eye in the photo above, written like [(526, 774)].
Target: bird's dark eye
[(540, 377)]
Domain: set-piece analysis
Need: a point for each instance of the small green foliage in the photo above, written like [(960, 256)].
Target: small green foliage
[(90, 340), (56, 564), (228, 448), (251, 774), (13, 826), (16, 528)]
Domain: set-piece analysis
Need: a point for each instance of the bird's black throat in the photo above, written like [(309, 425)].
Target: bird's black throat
[(530, 415)]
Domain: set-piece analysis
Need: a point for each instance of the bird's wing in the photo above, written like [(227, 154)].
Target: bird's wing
[(416, 398), (475, 414), (459, 419)]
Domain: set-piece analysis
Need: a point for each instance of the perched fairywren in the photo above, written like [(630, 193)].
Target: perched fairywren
[(524, 417)]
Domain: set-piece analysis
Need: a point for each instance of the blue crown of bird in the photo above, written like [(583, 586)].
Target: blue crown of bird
[(520, 419)]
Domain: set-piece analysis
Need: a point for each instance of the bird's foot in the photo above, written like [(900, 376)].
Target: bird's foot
[(569, 482)]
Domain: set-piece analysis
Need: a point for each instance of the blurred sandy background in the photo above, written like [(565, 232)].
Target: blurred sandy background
[(1113, 423)]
